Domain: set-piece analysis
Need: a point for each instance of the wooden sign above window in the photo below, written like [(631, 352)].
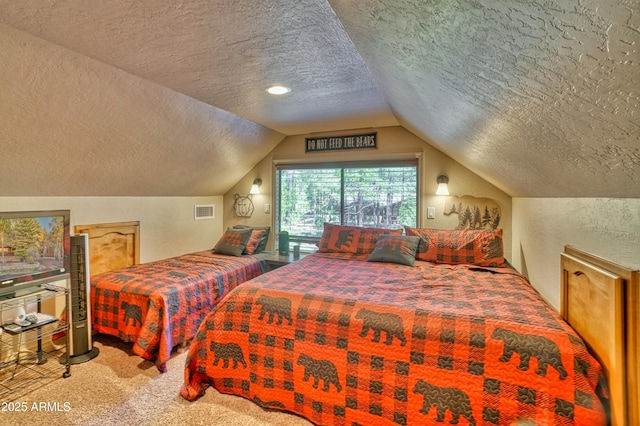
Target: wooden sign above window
[(336, 143)]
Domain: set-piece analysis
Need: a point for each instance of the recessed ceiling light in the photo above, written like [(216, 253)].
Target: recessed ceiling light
[(278, 90)]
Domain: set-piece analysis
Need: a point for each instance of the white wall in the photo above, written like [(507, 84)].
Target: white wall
[(167, 224), (607, 227), (393, 142)]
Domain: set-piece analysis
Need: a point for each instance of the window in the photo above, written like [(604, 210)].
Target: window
[(380, 194)]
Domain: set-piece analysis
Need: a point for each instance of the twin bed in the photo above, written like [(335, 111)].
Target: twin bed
[(432, 329), (159, 305)]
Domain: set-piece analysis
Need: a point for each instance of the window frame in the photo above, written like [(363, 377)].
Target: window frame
[(406, 162)]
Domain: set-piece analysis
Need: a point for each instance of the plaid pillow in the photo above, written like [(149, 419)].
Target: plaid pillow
[(481, 247), (233, 242), (395, 249), (351, 239), (257, 235), (263, 244)]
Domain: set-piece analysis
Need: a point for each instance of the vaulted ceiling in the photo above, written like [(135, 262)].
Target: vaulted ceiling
[(149, 97)]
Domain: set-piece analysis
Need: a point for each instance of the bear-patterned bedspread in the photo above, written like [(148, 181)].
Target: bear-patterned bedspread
[(361, 343), (159, 305)]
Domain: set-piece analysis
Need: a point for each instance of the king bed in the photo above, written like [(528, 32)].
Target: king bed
[(159, 305), (423, 328)]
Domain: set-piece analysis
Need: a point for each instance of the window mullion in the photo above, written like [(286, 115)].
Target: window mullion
[(342, 204)]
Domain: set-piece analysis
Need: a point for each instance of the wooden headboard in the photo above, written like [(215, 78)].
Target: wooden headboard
[(112, 245), (601, 301)]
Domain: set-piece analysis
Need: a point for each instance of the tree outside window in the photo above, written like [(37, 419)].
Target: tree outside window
[(381, 195)]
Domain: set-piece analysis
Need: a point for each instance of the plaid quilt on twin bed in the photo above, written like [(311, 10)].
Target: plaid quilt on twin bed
[(159, 305), (362, 343)]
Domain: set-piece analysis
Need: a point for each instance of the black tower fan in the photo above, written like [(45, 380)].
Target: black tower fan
[(80, 342)]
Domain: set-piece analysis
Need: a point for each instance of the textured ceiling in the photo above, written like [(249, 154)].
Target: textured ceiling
[(539, 97)]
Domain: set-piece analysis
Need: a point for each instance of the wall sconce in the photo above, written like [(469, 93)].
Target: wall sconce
[(443, 189), (243, 205), (255, 187)]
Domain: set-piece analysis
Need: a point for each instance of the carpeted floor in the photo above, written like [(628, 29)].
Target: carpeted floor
[(120, 388)]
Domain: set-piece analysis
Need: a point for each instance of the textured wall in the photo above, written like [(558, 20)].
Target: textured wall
[(539, 97), (75, 127), (607, 227)]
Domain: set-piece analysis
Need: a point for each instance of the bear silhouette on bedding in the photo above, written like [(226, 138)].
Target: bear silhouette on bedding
[(444, 399), (528, 346), (226, 352), (320, 369), (280, 306), (379, 322), (345, 238), (131, 313)]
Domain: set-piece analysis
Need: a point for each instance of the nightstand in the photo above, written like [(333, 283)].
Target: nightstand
[(275, 260)]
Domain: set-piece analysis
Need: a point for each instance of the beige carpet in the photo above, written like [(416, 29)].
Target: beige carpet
[(120, 388)]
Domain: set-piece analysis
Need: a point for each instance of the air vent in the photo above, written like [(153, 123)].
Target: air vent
[(207, 211)]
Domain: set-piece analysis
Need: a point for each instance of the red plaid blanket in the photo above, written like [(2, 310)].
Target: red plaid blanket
[(158, 305), (360, 343)]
